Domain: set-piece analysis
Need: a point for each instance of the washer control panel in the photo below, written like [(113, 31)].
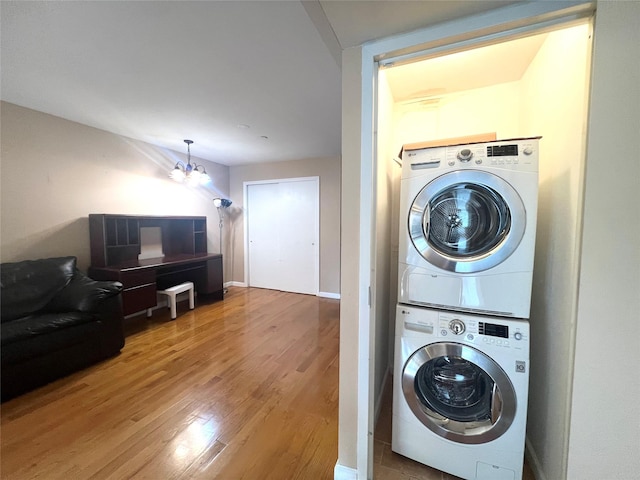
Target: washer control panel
[(448, 326), (471, 330)]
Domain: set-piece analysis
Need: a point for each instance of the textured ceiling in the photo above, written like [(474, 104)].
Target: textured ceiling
[(248, 81), (359, 21)]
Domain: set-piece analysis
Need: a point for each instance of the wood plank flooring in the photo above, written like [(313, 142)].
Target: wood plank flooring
[(245, 388)]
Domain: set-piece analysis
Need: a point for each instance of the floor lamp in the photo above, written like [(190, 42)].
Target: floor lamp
[(221, 204)]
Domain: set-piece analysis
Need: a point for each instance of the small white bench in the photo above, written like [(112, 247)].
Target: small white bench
[(172, 293)]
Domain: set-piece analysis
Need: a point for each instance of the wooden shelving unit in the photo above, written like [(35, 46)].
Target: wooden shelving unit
[(115, 242)]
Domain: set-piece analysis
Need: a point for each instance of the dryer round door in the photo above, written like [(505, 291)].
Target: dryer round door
[(467, 221), (459, 393)]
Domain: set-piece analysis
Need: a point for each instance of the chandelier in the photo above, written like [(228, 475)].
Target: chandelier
[(191, 173)]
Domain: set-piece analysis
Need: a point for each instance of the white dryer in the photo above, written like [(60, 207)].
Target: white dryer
[(468, 227), (461, 388)]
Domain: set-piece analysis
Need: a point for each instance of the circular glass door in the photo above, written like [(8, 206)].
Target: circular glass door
[(459, 392), (467, 221)]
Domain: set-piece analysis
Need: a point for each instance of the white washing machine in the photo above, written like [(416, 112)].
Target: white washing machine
[(468, 227), (460, 392)]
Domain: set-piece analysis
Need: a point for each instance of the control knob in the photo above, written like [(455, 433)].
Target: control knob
[(465, 155), (517, 336), (457, 326)]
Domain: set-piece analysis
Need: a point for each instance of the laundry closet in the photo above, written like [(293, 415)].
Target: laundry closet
[(526, 86)]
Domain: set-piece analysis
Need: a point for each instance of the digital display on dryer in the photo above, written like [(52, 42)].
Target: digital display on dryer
[(493, 330), (502, 150)]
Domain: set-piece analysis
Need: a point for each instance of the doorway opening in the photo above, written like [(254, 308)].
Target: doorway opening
[(533, 84)]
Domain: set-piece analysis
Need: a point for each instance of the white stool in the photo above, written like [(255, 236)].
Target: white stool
[(172, 292)]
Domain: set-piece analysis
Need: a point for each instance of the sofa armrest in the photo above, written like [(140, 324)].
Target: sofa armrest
[(84, 294)]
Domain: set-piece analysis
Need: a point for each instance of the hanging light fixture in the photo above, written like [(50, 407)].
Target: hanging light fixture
[(191, 173)]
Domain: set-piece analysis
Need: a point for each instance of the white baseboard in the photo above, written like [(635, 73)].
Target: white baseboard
[(320, 294), (340, 472), (329, 295)]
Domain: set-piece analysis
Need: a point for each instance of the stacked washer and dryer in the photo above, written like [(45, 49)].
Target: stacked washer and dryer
[(467, 239)]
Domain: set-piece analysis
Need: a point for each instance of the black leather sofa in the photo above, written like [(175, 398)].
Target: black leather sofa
[(54, 321)]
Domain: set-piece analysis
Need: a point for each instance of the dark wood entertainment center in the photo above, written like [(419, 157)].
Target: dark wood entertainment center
[(116, 244)]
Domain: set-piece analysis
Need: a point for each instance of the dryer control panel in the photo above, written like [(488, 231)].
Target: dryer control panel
[(502, 154), (515, 154)]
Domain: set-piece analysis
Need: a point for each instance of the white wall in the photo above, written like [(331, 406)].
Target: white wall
[(554, 106), (471, 112), (348, 408), (605, 410), (55, 172), (386, 236), (328, 169)]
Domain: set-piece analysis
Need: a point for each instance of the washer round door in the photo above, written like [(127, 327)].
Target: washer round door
[(459, 393), (467, 221)]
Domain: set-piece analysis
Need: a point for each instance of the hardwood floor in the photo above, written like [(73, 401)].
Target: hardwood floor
[(246, 388)]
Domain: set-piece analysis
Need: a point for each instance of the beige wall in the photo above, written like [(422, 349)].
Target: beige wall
[(554, 106), (55, 172), (328, 169), (605, 431)]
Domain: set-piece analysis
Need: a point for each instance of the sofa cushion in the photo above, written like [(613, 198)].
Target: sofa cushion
[(83, 294), (28, 286), (41, 324), (53, 343)]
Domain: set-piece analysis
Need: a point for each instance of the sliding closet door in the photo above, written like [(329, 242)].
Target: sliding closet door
[(282, 234), (262, 226)]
